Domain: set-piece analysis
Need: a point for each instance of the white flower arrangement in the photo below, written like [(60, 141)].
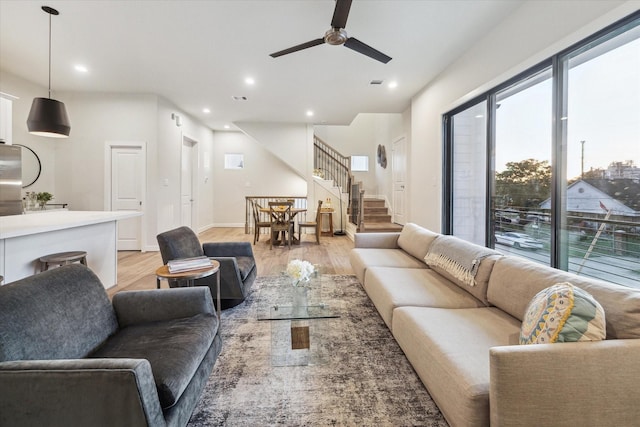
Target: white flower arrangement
[(300, 271)]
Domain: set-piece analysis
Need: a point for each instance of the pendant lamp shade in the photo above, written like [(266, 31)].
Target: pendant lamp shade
[(48, 117)]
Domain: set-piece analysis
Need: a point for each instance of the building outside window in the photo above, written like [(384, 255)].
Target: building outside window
[(550, 170)]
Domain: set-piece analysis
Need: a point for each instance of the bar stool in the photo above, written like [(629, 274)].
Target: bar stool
[(329, 213), (62, 258)]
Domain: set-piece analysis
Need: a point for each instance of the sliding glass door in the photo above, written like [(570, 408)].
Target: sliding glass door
[(547, 165)]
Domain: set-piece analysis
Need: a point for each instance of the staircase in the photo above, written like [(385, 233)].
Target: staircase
[(377, 218)]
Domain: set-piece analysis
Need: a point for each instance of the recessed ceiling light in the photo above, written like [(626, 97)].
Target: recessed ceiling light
[(227, 127), (250, 81), (206, 110), (81, 68), (309, 113), (393, 85)]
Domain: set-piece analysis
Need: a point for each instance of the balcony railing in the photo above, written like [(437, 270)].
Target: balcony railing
[(605, 249)]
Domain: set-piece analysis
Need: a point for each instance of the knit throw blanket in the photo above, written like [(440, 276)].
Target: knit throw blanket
[(459, 258)]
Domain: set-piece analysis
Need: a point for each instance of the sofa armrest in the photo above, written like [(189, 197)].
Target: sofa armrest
[(87, 392), (216, 249), (133, 307), (376, 240), (565, 384)]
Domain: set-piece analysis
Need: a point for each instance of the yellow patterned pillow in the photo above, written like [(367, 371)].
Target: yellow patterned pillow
[(562, 313)]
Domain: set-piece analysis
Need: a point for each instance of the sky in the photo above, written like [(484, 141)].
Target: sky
[(603, 111)]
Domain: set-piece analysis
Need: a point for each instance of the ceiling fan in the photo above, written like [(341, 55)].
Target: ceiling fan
[(337, 36)]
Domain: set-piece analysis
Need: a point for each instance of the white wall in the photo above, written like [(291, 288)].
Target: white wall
[(73, 168), (264, 174), (362, 137), (166, 176), (533, 33)]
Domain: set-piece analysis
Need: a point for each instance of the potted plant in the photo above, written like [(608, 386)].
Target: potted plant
[(43, 197)]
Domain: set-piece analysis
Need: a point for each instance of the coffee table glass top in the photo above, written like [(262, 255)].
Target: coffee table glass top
[(292, 312)]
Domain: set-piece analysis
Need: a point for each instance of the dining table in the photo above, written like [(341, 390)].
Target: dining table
[(279, 211)]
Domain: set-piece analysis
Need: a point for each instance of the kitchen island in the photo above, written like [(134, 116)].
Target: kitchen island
[(25, 238)]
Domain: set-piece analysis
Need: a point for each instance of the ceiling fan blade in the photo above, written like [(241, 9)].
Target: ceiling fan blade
[(341, 13), (302, 46), (358, 46)]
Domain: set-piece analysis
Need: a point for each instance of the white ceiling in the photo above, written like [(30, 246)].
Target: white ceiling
[(198, 53)]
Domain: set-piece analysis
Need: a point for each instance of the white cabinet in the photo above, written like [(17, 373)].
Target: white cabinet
[(6, 133)]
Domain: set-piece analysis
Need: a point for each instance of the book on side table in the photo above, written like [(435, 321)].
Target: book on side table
[(187, 264)]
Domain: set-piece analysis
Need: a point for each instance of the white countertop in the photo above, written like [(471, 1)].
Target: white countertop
[(23, 225)]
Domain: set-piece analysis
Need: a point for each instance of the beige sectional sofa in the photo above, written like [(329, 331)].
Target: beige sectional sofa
[(462, 337)]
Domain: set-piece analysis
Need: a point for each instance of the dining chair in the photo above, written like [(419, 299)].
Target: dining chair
[(315, 224), (280, 221), (258, 225)]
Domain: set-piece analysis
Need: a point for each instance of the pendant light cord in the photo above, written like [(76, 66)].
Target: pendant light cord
[(49, 55)]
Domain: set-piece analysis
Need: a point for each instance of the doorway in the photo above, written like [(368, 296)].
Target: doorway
[(126, 182), (399, 171), (188, 180)]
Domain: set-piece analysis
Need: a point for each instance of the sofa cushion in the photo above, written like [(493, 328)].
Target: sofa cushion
[(389, 288), (363, 258), (246, 264), (39, 322), (174, 348), (449, 349), (416, 240), (514, 281), (562, 313), (464, 263)]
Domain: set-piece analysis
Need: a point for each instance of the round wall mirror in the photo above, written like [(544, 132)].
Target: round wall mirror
[(31, 166)]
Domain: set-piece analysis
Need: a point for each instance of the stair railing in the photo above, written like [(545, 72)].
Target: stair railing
[(327, 158)]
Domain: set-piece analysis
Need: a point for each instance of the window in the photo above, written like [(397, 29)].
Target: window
[(469, 204), (550, 168), (359, 163), (522, 171), (234, 161), (601, 190)]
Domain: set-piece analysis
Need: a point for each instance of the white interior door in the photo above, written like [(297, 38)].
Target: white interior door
[(187, 180), (127, 187), (399, 165)]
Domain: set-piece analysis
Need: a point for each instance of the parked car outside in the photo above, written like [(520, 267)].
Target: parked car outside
[(518, 240)]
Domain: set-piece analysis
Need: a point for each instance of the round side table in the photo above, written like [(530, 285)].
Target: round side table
[(190, 276)]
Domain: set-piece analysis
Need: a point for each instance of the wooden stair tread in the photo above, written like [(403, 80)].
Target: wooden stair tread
[(376, 217), (380, 227)]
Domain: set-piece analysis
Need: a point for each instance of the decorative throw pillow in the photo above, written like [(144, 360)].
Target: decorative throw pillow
[(562, 313)]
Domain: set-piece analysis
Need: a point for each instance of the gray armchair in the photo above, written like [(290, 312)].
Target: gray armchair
[(71, 357), (238, 268)]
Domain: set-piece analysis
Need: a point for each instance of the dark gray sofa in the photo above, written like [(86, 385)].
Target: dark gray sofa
[(238, 268), (71, 357)]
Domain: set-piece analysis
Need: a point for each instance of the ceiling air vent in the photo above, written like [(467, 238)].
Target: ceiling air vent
[(376, 82), (239, 98)]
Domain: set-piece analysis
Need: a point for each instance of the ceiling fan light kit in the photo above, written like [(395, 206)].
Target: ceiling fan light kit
[(337, 36), (48, 117)]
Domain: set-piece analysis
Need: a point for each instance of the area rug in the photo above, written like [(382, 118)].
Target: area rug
[(364, 380)]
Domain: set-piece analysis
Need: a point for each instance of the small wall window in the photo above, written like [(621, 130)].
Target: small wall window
[(359, 163), (234, 161)]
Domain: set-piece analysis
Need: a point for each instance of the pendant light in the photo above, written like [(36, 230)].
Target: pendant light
[(48, 117)]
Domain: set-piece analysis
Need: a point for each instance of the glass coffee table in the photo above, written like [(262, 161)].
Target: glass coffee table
[(299, 325)]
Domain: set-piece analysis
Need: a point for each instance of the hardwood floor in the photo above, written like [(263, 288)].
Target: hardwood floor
[(136, 270)]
